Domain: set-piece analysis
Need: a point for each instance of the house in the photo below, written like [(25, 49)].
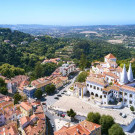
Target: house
[(59, 81), (66, 69), (7, 41), (34, 123), (29, 91), (26, 108), (40, 83), (83, 128), (9, 129), (24, 121), (16, 83), (55, 60), (2, 119)]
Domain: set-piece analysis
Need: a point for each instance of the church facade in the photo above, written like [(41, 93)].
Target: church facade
[(110, 83)]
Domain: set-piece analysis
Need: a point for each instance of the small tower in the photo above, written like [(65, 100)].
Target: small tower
[(124, 78), (130, 74)]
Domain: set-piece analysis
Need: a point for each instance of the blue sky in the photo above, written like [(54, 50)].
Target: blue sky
[(67, 12)]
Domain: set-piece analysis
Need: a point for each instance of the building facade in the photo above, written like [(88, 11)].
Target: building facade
[(66, 69), (110, 83)]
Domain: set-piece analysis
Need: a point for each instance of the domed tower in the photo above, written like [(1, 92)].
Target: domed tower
[(124, 78), (130, 74)]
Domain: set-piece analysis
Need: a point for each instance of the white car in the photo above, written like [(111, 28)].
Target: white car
[(124, 115)]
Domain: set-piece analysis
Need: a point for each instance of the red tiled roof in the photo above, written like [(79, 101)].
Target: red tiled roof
[(26, 105), (110, 56), (24, 119), (84, 127)]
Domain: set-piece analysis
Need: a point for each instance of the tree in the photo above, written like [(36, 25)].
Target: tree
[(106, 122), (38, 70), (116, 130), (82, 76), (132, 108), (38, 93), (50, 88), (3, 88), (71, 113), (83, 62), (10, 71), (93, 117), (17, 97)]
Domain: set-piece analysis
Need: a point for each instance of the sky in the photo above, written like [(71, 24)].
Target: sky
[(67, 12)]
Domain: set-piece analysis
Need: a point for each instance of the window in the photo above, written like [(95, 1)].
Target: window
[(90, 86), (120, 93), (94, 87), (87, 84), (104, 96), (131, 95), (130, 102), (101, 89), (97, 88), (125, 94)]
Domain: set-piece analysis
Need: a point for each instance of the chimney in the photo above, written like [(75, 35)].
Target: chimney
[(130, 74), (123, 77)]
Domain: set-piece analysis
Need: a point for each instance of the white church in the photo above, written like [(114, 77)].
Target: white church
[(109, 82)]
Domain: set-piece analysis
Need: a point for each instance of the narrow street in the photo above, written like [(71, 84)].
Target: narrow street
[(50, 100)]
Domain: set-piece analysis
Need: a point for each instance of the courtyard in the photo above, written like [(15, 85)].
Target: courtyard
[(83, 107)]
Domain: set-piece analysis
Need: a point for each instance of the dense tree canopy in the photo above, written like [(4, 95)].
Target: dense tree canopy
[(50, 88), (38, 93), (93, 117), (106, 122), (97, 49), (71, 113), (17, 97), (3, 88), (82, 76), (44, 69), (10, 71), (116, 130)]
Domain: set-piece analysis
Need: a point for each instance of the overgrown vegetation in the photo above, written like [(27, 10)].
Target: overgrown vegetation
[(82, 76), (108, 126)]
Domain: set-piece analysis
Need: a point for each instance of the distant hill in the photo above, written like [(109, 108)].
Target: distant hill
[(24, 50)]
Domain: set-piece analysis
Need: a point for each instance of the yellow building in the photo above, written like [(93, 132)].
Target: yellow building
[(26, 108), (59, 81)]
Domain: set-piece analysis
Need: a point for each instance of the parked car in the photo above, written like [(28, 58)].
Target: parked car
[(59, 95), (124, 115), (56, 98), (63, 115)]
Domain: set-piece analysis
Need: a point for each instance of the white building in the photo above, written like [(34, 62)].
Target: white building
[(66, 69), (80, 89), (111, 83)]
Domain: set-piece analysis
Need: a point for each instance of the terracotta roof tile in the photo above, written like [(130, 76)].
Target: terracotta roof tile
[(110, 56)]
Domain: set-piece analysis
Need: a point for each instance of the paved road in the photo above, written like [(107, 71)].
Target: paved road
[(50, 100)]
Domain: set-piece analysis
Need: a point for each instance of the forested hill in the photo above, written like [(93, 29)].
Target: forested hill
[(23, 50), (97, 49)]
